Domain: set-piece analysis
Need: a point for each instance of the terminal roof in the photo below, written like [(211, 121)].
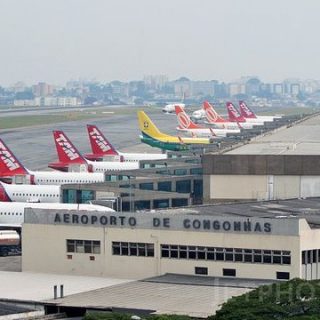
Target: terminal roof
[(308, 209)]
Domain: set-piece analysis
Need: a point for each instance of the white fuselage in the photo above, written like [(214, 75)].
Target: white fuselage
[(12, 213), (254, 121), (135, 157), (224, 125), (170, 108), (199, 114), (206, 132), (268, 118), (33, 193), (103, 166), (59, 178)]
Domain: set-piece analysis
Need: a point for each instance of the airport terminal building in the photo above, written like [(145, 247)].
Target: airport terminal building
[(260, 240)]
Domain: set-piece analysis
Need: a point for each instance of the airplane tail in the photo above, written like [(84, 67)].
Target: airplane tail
[(99, 144), (184, 120), (146, 125), (245, 111), (211, 114), (9, 164), (4, 197), (234, 114), (67, 152)]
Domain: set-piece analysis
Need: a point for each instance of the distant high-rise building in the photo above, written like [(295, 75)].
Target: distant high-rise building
[(202, 88), (42, 89), (236, 88), (155, 82), (253, 86), (278, 88)]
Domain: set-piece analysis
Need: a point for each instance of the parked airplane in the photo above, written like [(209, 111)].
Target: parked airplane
[(152, 136), (69, 155), (214, 118), (101, 147), (10, 167), (187, 125), (12, 213), (30, 193), (235, 116), (249, 115)]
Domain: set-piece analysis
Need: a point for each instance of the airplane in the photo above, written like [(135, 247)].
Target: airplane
[(235, 116), (212, 117), (69, 155), (152, 136), (12, 213), (30, 193), (101, 147), (198, 114), (187, 125), (169, 108), (11, 167), (249, 115)]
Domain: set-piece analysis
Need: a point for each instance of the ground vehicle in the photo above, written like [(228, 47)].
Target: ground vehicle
[(9, 242)]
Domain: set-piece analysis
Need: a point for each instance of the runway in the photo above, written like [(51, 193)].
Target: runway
[(34, 146)]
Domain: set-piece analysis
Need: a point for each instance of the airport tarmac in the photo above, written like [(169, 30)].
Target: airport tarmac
[(302, 138), (34, 146)]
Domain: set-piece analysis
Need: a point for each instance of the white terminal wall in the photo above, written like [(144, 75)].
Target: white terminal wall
[(260, 187), (44, 250)]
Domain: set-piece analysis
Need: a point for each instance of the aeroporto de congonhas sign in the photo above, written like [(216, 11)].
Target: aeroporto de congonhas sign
[(181, 222)]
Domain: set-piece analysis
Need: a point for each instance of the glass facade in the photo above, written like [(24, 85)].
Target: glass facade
[(77, 196), (165, 186), (225, 254), (133, 249), (183, 186)]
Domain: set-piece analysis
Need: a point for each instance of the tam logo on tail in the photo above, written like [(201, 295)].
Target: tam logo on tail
[(245, 110), (98, 142), (8, 159), (68, 149), (234, 114), (9, 164)]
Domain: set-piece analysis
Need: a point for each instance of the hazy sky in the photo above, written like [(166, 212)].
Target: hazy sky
[(56, 40)]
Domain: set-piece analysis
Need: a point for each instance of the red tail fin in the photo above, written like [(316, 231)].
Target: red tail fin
[(9, 164), (184, 120), (99, 144), (245, 111), (67, 152), (234, 115)]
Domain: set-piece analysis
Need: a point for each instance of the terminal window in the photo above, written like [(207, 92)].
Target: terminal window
[(133, 249), (83, 246), (174, 251)]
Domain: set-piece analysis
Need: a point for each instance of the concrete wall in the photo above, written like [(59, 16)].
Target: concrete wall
[(261, 164), (44, 250), (259, 187)]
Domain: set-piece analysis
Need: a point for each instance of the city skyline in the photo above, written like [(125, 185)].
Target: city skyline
[(54, 41)]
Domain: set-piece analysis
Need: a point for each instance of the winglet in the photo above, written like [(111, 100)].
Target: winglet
[(9, 164)]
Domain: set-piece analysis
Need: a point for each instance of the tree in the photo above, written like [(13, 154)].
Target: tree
[(295, 299)]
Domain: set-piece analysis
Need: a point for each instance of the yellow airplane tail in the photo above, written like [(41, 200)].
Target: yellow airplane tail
[(147, 126)]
